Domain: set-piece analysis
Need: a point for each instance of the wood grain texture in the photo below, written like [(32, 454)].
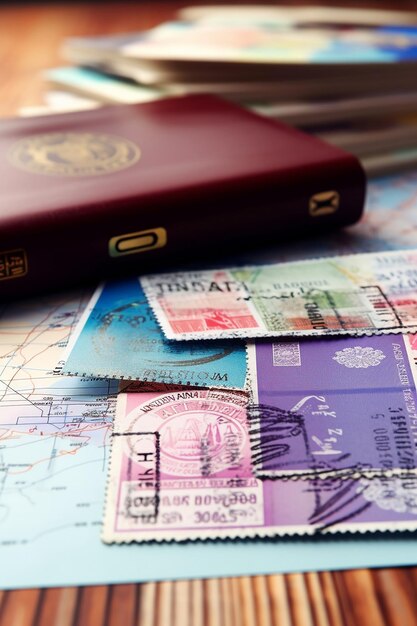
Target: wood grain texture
[(383, 597), (21, 608), (30, 38), (93, 606), (58, 606)]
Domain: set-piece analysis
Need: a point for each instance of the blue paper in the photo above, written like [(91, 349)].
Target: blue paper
[(121, 339), (59, 562)]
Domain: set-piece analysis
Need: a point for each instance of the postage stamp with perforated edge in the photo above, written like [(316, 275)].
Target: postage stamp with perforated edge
[(360, 294), (340, 407), (181, 469), (119, 321)]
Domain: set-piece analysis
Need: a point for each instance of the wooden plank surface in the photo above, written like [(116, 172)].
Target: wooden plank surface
[(30, 38), (383, 597)]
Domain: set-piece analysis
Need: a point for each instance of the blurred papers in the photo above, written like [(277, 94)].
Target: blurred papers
[(346, 75)]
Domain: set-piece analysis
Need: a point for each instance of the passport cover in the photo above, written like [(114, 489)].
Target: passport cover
[(128, 189)]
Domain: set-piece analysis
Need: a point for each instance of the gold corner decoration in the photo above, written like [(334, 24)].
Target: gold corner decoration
[(13, 264), (324, 203), (141, 241)]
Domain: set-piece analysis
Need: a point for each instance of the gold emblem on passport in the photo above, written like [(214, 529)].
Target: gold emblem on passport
[(74, 154), (324, 203), (13, 264), (142, 241)]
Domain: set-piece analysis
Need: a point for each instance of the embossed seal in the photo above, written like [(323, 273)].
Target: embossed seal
[(74, 154), (394, 493), (359, 357)]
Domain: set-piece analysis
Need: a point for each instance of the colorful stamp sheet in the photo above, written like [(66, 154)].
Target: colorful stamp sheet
[(181, 469), (334, 407), (356, 294), (118, 337)]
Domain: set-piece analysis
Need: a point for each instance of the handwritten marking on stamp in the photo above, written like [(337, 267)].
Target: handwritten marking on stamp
[(349, 408), (281, 449)]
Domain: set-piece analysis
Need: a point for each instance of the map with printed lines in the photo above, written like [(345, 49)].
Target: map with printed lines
[(54, 430)]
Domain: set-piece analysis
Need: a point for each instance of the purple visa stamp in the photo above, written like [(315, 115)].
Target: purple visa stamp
[(181, 469), (334, 407)]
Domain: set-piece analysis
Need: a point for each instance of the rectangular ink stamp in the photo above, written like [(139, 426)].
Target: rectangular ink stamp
[(349, 408), (360, 294), (205, 487), (141, 485)]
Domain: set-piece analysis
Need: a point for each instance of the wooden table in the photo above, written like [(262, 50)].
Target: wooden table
[(30, 37)]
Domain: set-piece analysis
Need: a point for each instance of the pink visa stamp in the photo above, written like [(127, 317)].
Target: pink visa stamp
[(181, 469)]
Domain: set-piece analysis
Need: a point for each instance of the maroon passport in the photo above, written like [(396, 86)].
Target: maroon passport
[(128, 189)]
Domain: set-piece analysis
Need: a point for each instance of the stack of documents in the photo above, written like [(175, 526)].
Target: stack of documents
[(349, 76)]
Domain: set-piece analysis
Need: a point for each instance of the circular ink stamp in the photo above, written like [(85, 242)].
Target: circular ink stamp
[(74, 154), (203, 433), (138, 313)]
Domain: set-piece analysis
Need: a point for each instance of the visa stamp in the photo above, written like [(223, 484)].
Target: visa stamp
[(361, 294), (204, 463), (181, 470), (348, 409), (118, 337)]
